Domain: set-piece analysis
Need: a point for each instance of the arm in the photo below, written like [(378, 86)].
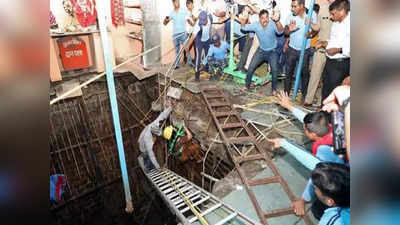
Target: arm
[(275, 17), (284, 101), (189, 135), (347, 130), (210, 53), (303, 156)]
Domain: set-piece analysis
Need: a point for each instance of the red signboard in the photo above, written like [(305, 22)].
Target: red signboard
[(74, 54)]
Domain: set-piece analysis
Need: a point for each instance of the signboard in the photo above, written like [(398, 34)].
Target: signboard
[(73, 52)]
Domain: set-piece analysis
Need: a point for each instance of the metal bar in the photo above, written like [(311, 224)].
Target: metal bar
[(101, 14), (303, 50), (233, 215)]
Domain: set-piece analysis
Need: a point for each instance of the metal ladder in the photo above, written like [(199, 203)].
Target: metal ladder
[(242, 146), (192, 204)]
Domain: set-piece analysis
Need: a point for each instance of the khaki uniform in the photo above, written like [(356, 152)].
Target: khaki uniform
[(319, 60)]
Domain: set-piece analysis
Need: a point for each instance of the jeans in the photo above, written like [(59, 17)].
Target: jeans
[(177, 42), (292, 58), (260, 57), (281, 54), (200, 46)]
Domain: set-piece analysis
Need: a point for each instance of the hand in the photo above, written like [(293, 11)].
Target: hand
[(309, 35), (336, 98), (320, 44), (284, 100), (333, 51), (299, 207), (275, 16), (346, 81), (292, 26), (276, 143)]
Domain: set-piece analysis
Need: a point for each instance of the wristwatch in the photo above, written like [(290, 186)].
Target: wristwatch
[(341, 51)]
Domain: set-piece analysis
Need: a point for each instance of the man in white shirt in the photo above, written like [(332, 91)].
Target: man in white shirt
[(217, 8), (337, 66)]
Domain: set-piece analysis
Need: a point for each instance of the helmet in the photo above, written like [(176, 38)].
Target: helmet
[(168, 132), (215, 38)]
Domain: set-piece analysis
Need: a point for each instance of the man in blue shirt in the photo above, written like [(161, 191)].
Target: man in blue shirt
[(294, 28), (266, 31), (331, 182), (217, 57), (179, 16), (315, 127)]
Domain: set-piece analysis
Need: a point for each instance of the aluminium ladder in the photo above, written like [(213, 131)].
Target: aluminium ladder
[(192, 204), (242, 146)]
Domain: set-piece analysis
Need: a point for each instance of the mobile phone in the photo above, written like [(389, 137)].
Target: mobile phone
[(339, 142)]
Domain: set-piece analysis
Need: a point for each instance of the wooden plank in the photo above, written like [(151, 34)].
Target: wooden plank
[(279, 212), (262, 181), (231, 125), (219, 104), (238, 140), (241, 159)]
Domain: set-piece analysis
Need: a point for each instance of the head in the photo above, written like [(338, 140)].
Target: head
[(339, 10), (189, 5), (332, 184), (316, 8), (176, 4), (264, 17), (203, 18), (298, 7), (216, 40), (316, 125)]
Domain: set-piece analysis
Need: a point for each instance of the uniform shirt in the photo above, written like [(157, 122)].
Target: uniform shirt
[(340, 38), (205, 35), (179, 19), (219, 53), (146, 137), (296, 37), (266, 36), (335, 216), (324, 22)]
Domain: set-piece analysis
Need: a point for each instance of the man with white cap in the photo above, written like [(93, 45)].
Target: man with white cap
[(202, 38)]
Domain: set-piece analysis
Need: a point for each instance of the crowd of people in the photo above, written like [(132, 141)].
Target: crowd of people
[(206, 26), (326, 55)]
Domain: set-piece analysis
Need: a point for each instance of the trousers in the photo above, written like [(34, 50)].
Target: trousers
[(292, 58), (316, 73), (260, 57), (334, 73), (200, 47)]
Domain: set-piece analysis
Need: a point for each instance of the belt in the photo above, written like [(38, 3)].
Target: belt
[(339, 59)]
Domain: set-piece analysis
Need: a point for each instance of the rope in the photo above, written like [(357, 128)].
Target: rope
[(187, 200), (72, 90)]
